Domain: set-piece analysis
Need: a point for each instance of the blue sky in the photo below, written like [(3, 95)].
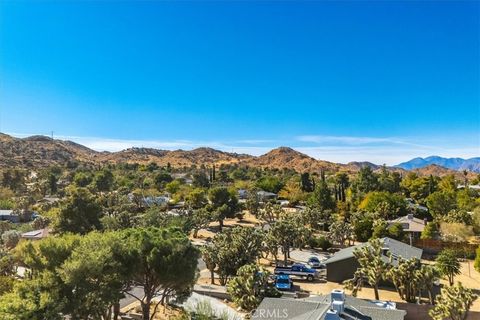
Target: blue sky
[(343, 81)]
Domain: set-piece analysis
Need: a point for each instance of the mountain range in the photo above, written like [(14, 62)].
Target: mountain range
[(458, 164), (40, 152)]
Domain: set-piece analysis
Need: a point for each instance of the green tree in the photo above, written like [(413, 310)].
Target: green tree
[(173, 186), (340, 232), (82, 179), (103, 180), (234, 248), (200, 180), (448, 264), (426, 277), (223, 204), (96, 271), (366, 181), (6, 284), (440, 203), (29, 301), (430, 231), (389, 181), (477, 260), (306, 183), (10, 238), (387, 204), (404, 277), (342, 183), (453, 303), (209, 256), (322, 197), (7, 263), (163, 262), (253, 203), (79, 213), (200, 218), (161, 179), (52, 181), (419, 188), (373, 267), (284, 234), (196, 199), (270, 213), (270, 184), (250, 286), (362, 226)]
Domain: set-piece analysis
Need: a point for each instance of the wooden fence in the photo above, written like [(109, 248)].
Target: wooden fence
[(434, 246)]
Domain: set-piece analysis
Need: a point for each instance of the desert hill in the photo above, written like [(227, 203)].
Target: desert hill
[(41, 151)]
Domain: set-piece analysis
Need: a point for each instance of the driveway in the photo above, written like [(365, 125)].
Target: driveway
[(303, 255)]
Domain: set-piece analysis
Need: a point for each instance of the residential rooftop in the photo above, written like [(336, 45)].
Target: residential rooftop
[(336, 305), (394, 247)]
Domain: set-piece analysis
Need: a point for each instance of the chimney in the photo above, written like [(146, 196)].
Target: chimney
[(338, 301), (410, 216), (337, 295)]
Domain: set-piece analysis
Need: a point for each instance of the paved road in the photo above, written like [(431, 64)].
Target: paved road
[(137, 291)]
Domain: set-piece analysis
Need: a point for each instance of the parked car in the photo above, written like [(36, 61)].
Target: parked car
[(299, 270), (315, 263), (283, 282)]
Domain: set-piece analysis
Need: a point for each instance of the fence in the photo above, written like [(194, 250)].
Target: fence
[(434, 246)]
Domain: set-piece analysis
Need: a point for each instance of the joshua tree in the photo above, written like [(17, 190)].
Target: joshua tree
[(453, 303), (373, 267)]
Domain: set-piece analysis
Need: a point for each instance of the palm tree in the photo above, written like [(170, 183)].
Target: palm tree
[(448, 264)]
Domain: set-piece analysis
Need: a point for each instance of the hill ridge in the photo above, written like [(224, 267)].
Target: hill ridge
[(42, 151)]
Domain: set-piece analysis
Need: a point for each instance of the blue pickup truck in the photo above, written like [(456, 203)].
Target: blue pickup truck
[(283, 282), (298, 270)]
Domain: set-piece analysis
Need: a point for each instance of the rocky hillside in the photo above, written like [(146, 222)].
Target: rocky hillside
[(285, 157), (41, 151)]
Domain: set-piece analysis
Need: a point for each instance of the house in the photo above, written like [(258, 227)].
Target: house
[(472, 187), (158, 201), (242, 194), (8, 215), (49, 200), (36, 234), (413, 206), (343, 264), (266, 196), (335, 306), (411, 225)]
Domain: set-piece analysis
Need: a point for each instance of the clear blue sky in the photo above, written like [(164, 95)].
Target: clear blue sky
[(380, 80)]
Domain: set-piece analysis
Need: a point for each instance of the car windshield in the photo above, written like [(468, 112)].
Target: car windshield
[(283, 280)]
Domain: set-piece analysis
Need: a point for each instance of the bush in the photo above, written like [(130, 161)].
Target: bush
[(10, 238), (320, 242)]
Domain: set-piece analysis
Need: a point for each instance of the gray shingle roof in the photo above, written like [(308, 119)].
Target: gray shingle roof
[(315, 308), (396, 248)]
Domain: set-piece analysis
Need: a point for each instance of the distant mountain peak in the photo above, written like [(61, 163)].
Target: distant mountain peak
[(459, 164)]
